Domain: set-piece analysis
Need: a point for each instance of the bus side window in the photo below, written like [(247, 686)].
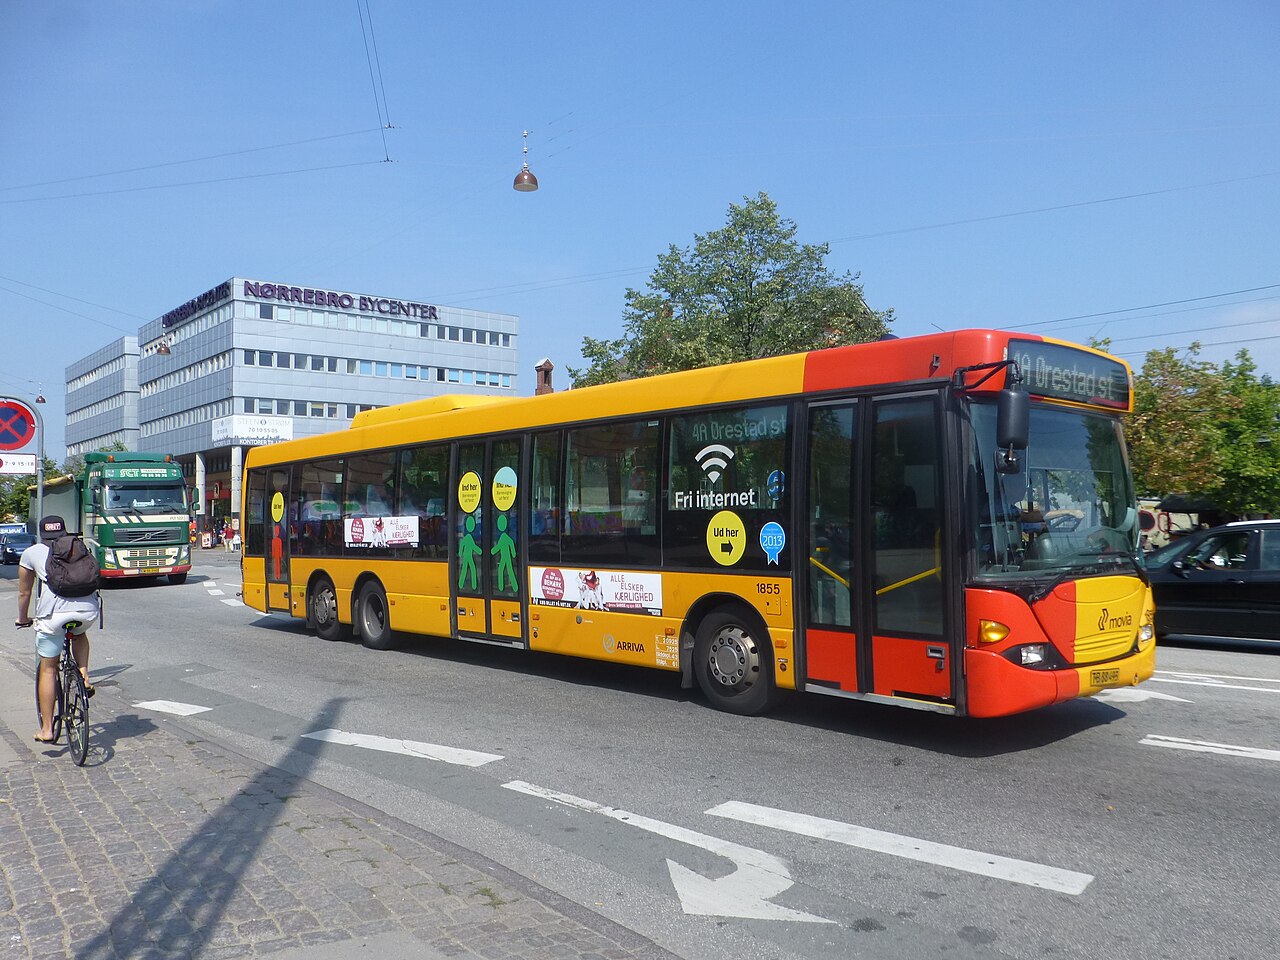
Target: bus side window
[(424, 473), (544, 498)]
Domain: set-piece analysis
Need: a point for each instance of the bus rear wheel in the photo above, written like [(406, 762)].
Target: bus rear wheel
[(373, 617), (323, 604), (733, 664)]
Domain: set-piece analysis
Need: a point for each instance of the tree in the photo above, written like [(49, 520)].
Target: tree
[(1209, 432), (1249, 442), (747, 290)]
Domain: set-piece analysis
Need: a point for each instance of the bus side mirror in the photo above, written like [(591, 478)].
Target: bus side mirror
[(1013, 417), (1013, 426)]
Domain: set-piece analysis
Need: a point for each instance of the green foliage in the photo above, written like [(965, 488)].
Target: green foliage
[(745, 291), (1203, 430)]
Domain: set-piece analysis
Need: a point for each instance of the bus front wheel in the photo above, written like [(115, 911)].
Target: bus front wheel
[(733, 663), (373, 617), (323, 601)]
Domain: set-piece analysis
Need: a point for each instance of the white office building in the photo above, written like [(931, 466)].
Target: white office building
[(253, 361)]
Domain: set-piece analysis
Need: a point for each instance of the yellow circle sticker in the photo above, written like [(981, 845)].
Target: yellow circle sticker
[(726, 538), (277, 506), (469, 492), (504, 489)]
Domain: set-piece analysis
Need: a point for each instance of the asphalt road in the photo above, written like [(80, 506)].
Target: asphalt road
[(1141, 825)]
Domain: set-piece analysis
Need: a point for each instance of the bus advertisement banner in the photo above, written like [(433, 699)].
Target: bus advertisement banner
[(381, 531), (612, 591)]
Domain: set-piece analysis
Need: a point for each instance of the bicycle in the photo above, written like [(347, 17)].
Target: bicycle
[(72, 698)]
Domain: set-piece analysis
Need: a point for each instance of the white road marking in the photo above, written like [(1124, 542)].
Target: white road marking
[(217, 593), (1198, 681), (171, 706), (233, 603), (411, 748), (910, 848), (1203, 746), (1135, 695), (746, 892)]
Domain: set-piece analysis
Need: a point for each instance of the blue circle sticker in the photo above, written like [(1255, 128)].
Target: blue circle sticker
[(772, 539), (776, 486)]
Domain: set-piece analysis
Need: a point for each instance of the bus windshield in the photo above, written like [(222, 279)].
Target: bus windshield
[(1070, 506), (144, 499)]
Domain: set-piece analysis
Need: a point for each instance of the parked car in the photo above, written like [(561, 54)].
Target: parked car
[(12, 545), (1219, 584)]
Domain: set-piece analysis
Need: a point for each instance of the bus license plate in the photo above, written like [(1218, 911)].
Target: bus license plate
[(1099, 677), (150, 570)]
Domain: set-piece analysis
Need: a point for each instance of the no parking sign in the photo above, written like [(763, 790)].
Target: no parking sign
[(17, 425)]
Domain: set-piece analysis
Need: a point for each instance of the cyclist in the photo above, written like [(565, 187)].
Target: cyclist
[(53, 613)]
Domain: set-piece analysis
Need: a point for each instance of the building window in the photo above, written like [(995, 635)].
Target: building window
[(248, 404), (265, 311), (397, 370), (266, 406), (333, 364), (366, 368), (410, 372), (440, 373), (282, 407), (248, 358), (352, 367), (380, 369), (317, 363), (300, 361)]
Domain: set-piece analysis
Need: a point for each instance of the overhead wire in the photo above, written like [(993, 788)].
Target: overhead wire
[(384, 122)]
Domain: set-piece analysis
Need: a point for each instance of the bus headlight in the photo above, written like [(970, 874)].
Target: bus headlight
[(1033, 654)]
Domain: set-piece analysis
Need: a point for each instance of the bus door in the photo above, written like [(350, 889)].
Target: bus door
[(874, 618), (832, 576), (487, 567), (276, 505), (907, 654)]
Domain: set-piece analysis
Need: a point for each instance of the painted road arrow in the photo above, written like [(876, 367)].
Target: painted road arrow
[(746, 893)]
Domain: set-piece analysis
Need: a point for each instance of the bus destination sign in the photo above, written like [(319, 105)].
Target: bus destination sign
[(1064, 373)]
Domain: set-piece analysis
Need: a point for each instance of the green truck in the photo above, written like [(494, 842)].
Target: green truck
[(133, 511)]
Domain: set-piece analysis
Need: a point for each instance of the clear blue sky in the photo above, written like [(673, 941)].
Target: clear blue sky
[(968, 159)]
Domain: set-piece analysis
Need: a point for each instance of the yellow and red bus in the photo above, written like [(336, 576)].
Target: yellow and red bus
[(944, 522)]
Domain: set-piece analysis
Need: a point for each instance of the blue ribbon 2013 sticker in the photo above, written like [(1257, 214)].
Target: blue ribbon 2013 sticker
[(772, 539)]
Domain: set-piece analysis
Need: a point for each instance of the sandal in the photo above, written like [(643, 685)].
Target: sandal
[(40, 739), (89, 690)]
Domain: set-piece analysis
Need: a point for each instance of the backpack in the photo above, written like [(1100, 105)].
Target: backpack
[(71, 570)]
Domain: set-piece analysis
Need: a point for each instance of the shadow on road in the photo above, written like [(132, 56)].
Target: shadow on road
[(178, 908)]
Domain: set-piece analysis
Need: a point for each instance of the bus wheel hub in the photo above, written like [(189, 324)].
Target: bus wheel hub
[(733, 656)]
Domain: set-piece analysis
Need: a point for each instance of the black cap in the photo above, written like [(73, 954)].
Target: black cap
[(52, 527)]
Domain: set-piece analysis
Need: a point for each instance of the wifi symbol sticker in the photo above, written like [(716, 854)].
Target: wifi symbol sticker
[(713, 458)]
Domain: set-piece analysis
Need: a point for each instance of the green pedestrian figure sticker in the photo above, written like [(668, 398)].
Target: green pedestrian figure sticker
[(468, 550), (505, 551)]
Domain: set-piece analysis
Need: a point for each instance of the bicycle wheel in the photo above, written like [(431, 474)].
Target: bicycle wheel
[(56, 725), (76, 714)]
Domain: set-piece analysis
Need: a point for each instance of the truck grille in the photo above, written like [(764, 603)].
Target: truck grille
[(152, 536)]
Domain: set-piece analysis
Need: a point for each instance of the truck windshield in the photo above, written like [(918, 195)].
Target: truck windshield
[(1070, 506), (145, 499)]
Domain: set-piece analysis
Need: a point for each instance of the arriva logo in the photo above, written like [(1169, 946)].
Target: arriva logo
[(1108, 622), (621, 646)]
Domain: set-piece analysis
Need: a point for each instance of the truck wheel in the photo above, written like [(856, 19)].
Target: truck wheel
[(177, 578)]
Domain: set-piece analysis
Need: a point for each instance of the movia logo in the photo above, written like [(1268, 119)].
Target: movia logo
[(1108, 622)]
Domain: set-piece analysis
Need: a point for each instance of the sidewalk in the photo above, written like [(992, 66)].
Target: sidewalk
[(166, 845)]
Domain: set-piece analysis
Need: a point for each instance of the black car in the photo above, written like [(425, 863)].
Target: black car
[(12, 545), (1219, 584)]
